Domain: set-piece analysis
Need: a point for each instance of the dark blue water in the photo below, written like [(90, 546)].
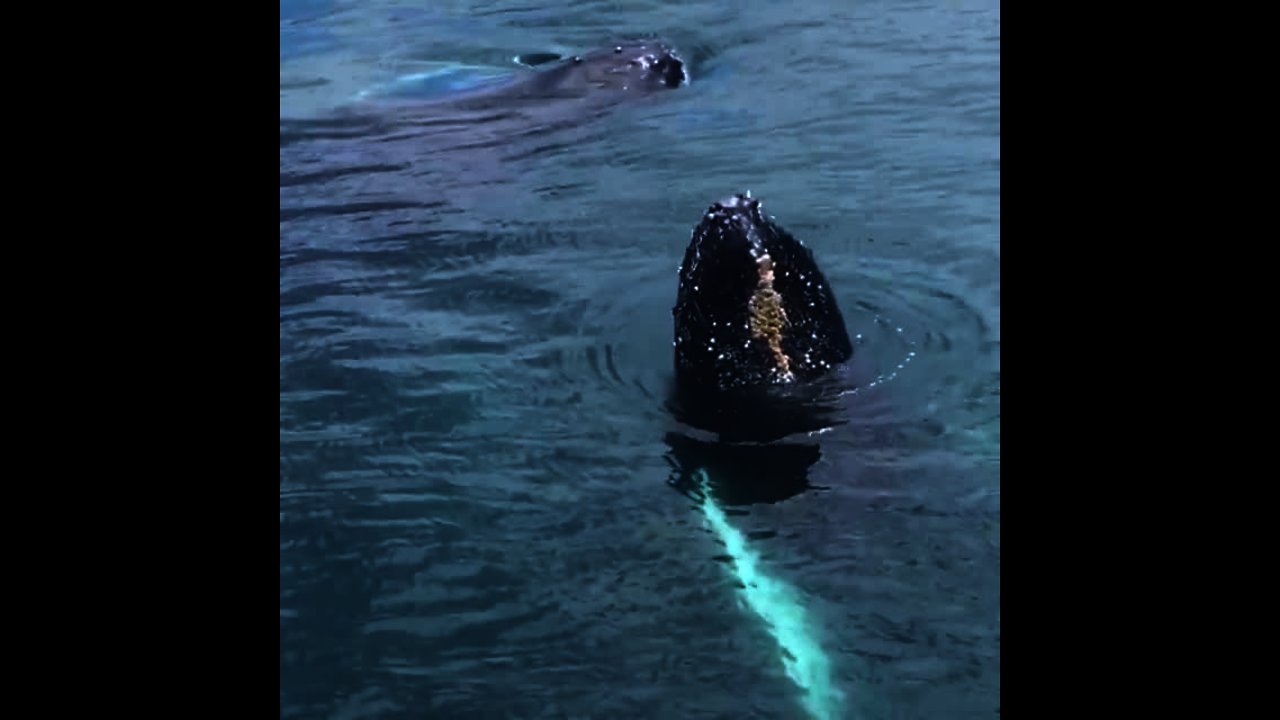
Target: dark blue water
[(477, 511)]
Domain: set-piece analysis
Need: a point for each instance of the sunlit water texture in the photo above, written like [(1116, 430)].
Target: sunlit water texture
[(477, 463)]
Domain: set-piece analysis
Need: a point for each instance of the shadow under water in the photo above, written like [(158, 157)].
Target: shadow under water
[(756, 445), (741, 474)]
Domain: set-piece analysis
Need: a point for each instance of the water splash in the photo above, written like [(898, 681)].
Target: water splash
[(778, 605)]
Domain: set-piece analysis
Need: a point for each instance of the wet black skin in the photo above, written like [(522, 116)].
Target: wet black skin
[(727, 379), (714, 346), (639, 67), (642, 66)]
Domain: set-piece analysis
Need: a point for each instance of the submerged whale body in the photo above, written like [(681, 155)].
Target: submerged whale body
[(455, 139), (758, 333), (454, 105), (637, 67)]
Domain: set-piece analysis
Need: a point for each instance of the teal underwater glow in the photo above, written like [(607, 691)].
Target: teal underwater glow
[(779, 606)]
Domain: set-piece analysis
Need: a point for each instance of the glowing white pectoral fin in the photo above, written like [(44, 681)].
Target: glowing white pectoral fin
[(778, 606)]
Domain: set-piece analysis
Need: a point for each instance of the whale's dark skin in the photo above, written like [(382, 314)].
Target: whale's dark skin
[(637, 67), (752, 307), (634, 67), (760, 350), (757, 328)]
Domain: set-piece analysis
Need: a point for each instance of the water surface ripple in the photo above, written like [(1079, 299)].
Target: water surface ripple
[(476, 517)]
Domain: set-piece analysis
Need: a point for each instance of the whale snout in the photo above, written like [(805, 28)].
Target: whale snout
[(737, 201), (732, 225), (656, 62), (670, 71)]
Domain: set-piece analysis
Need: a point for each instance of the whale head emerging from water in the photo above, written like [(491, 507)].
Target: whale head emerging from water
[(543, 80), (761, 353), (759, 335), (752, 308), (638, 66)]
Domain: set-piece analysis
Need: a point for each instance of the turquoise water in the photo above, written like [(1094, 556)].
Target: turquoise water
[(480, 506)]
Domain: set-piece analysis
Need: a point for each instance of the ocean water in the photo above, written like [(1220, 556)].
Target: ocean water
[(484, 506)]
